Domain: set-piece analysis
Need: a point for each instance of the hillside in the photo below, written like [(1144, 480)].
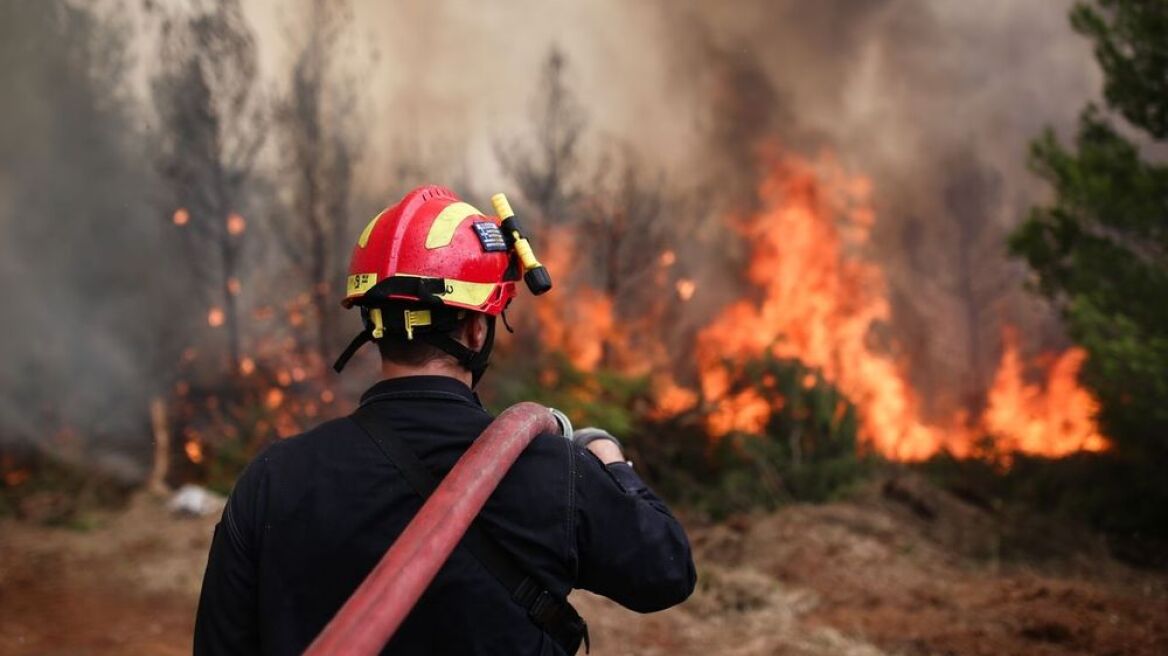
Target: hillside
[(900, 569)]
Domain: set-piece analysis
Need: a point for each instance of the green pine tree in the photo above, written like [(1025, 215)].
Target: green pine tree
[(1099, 249)]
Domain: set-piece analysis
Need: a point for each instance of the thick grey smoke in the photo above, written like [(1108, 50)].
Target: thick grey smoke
[(84, 264), (934, 100)]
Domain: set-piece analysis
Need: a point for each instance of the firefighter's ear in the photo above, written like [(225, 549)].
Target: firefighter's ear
[(475, 331)]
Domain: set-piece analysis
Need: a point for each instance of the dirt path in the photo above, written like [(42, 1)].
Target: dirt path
[(858, 578)]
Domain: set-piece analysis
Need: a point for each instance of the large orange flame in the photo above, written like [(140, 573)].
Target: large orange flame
[(1053, 420), (820, 302)]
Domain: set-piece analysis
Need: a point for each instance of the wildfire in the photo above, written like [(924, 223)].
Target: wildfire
[(1054, 420), (819, 304), (579, 326)]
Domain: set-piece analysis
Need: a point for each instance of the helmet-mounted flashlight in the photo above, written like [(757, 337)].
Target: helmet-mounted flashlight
[(538, 280)]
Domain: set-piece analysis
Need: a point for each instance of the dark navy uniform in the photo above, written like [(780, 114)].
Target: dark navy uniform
[(312, 515)]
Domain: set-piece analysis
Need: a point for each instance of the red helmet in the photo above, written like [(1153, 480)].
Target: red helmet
[(419, 265)]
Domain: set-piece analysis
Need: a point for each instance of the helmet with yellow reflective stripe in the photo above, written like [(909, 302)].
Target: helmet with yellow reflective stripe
[(432, 235), (419, 265)]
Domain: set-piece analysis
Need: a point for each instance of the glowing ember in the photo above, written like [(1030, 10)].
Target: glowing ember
[(667, 259), (274, 398), (247, 366), (686, 289), (15, 477), (194, 450), (235, 224), (215, 317), (327, 396), (181, 216), (233, 286)]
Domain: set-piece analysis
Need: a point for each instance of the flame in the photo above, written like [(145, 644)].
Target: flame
[(577, 326), (236, 224), (215, 317), (181, 217), (1055, 420), (820, 304), (671, 398)]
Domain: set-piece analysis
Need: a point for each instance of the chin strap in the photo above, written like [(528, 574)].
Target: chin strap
[(475, 361), (350, 350)]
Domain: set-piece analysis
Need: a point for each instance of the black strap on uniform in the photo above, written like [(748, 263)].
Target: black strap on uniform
[(547, 610)]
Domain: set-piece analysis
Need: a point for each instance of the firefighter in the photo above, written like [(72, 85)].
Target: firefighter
[(311, 515)]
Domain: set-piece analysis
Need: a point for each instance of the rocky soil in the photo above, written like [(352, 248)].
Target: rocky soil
[(901, 569)]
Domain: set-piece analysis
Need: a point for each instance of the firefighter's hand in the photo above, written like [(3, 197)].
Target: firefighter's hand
[(601, 443)]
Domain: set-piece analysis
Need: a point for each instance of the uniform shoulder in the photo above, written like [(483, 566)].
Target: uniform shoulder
[(303, 447)]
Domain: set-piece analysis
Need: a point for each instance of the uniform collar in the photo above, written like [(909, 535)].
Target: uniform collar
[(423, 384)]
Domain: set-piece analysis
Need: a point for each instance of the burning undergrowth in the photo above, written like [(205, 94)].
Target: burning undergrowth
[(811, 297), (742, 321)]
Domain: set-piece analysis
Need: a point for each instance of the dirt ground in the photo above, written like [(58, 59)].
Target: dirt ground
[(896, 573)]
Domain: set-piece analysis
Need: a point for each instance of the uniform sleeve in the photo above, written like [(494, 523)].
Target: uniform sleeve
[(228, 619), (630, 548)]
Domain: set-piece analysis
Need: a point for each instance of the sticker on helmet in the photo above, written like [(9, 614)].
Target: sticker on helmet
[(490, 237)]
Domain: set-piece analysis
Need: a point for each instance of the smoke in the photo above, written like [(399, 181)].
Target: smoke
[(935, 101), (84, 265)]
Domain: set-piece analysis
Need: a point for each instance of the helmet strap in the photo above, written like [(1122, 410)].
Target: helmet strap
[(350, 350), (476, 361)]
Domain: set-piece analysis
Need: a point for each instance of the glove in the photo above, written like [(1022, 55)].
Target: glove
[(586, 436)]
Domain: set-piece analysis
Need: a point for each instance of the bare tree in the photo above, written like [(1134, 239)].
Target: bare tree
[(545, 172), (622, 227), (210, 132), (982, 278), (317, 134)]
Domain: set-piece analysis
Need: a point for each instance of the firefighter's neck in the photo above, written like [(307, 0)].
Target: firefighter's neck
[(472, 334), (437, 367)]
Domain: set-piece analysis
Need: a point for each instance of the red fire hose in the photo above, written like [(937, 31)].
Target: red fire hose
[(379, 605)]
